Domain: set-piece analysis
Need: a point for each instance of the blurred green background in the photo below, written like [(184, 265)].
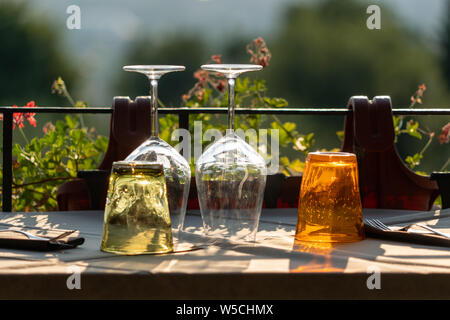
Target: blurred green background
[(322, 54)]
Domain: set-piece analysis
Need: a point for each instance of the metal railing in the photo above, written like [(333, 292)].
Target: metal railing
[(183, 121)]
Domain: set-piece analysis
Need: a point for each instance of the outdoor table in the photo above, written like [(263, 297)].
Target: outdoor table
[(207, 268)]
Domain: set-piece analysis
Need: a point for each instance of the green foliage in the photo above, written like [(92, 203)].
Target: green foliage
[(413, 160), (411, 129), (42, 165)]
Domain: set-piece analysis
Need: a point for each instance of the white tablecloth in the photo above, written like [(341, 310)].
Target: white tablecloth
[(272, 268)]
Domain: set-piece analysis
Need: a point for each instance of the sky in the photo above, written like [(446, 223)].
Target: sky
[(213, 17), (108, 25)]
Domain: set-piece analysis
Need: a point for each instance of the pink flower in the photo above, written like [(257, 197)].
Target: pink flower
[(199, 94), (48, 127), (259, 52), (221, 85), (201, 76), (259, 41), (444, 137)]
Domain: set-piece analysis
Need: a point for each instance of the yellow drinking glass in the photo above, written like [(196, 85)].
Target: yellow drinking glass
[(330, 205), (137, 219)]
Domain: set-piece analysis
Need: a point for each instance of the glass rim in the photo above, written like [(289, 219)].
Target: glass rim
[(153, 68), (333, 153), (330, 156), (136, 165)]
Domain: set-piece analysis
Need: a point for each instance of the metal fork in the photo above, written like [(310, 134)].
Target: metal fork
[(380, 225), (377, 224), (29, 235)]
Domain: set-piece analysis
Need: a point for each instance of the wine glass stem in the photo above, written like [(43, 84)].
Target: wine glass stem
[(231, 85), (154, 107)]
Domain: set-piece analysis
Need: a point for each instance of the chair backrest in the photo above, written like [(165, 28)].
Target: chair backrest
[(385, 180), (130, 126)]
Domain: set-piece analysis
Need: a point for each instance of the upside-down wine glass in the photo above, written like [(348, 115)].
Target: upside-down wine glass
[(231, 175), (176, 169)]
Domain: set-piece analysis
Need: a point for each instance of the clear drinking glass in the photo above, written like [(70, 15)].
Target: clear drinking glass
[(154, 149), (231, 175)]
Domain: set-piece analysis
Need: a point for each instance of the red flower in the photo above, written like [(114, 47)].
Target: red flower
[(30, 115), (19, 117), (32, 121), (444, 137), (423, 87), (416, 98), (217, 58)]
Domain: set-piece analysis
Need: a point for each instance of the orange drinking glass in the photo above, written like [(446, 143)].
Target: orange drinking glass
[(330, 205)]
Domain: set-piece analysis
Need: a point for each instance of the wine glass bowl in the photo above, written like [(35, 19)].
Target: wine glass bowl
[(230, 175), (177, 171), (230, 178)]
